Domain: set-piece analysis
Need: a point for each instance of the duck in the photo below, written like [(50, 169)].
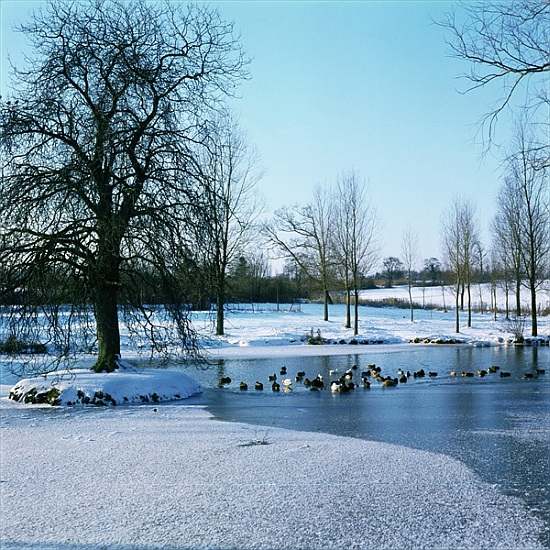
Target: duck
[(307, 382), (494, 369), (258, 386), (481, 373), (505, 374), (528, 376), (402, 379), (419, 374), (301, 373), (298, 378), (272, 377), (283, 371), (466, 374), (354, 367), (366, 384), (275, 387), (365, 374), (400, 372), (453, 373), (409, 374), (287, 383), (371, 366), (390, 383), (243, 386), (432, 374), (541, 371), (224, 380), (317, 383), (335, 386)]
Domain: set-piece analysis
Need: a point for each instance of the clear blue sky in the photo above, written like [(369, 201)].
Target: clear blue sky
[(361, 85)]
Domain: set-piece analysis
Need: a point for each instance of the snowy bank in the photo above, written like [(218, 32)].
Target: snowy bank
[(124, 386), (134, 478)]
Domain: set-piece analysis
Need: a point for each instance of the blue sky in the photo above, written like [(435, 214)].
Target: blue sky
[(368, 86)]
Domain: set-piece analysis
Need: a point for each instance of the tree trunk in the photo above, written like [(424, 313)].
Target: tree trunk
[(533, 289), (325, 309), (462, 297), (411, 301), (507, 304), (356, 312), (518, 296), (220, 303), (348, 307), (107, 284), (108, 334), (469, 305), (457, 312)]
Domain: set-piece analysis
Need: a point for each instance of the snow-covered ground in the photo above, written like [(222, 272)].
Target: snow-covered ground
[(250, 331), (130, 478), (440, 297)]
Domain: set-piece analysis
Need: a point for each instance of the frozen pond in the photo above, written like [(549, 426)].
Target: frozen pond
[(499, 427)]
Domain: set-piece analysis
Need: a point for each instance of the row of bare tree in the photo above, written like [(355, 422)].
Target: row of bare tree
[(332, 237), (520, 248), (506, 45)]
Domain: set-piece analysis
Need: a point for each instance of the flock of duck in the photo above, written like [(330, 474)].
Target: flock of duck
[(346, 382)]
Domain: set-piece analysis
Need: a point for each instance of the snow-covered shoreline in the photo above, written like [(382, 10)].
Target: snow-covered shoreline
[(177, 478)]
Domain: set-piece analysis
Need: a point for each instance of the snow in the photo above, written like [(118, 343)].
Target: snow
[(124, 386), (261, 334), (130, 477), (440, 297)]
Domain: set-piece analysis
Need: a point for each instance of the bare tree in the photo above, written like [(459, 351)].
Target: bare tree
[(458, 238), (342, 242), (229, 181), (507, 231), (100, 140), (303, 233), (528, 185), (505, 43), (469, 240), (361, 219), (410, 258)]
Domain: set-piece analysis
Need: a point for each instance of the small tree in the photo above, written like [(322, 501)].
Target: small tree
[(303, 234), (409, 254), (229, 182)]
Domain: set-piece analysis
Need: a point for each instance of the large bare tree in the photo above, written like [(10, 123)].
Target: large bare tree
[(100, 139)]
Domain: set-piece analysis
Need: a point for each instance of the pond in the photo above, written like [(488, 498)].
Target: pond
[(499, 427)]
